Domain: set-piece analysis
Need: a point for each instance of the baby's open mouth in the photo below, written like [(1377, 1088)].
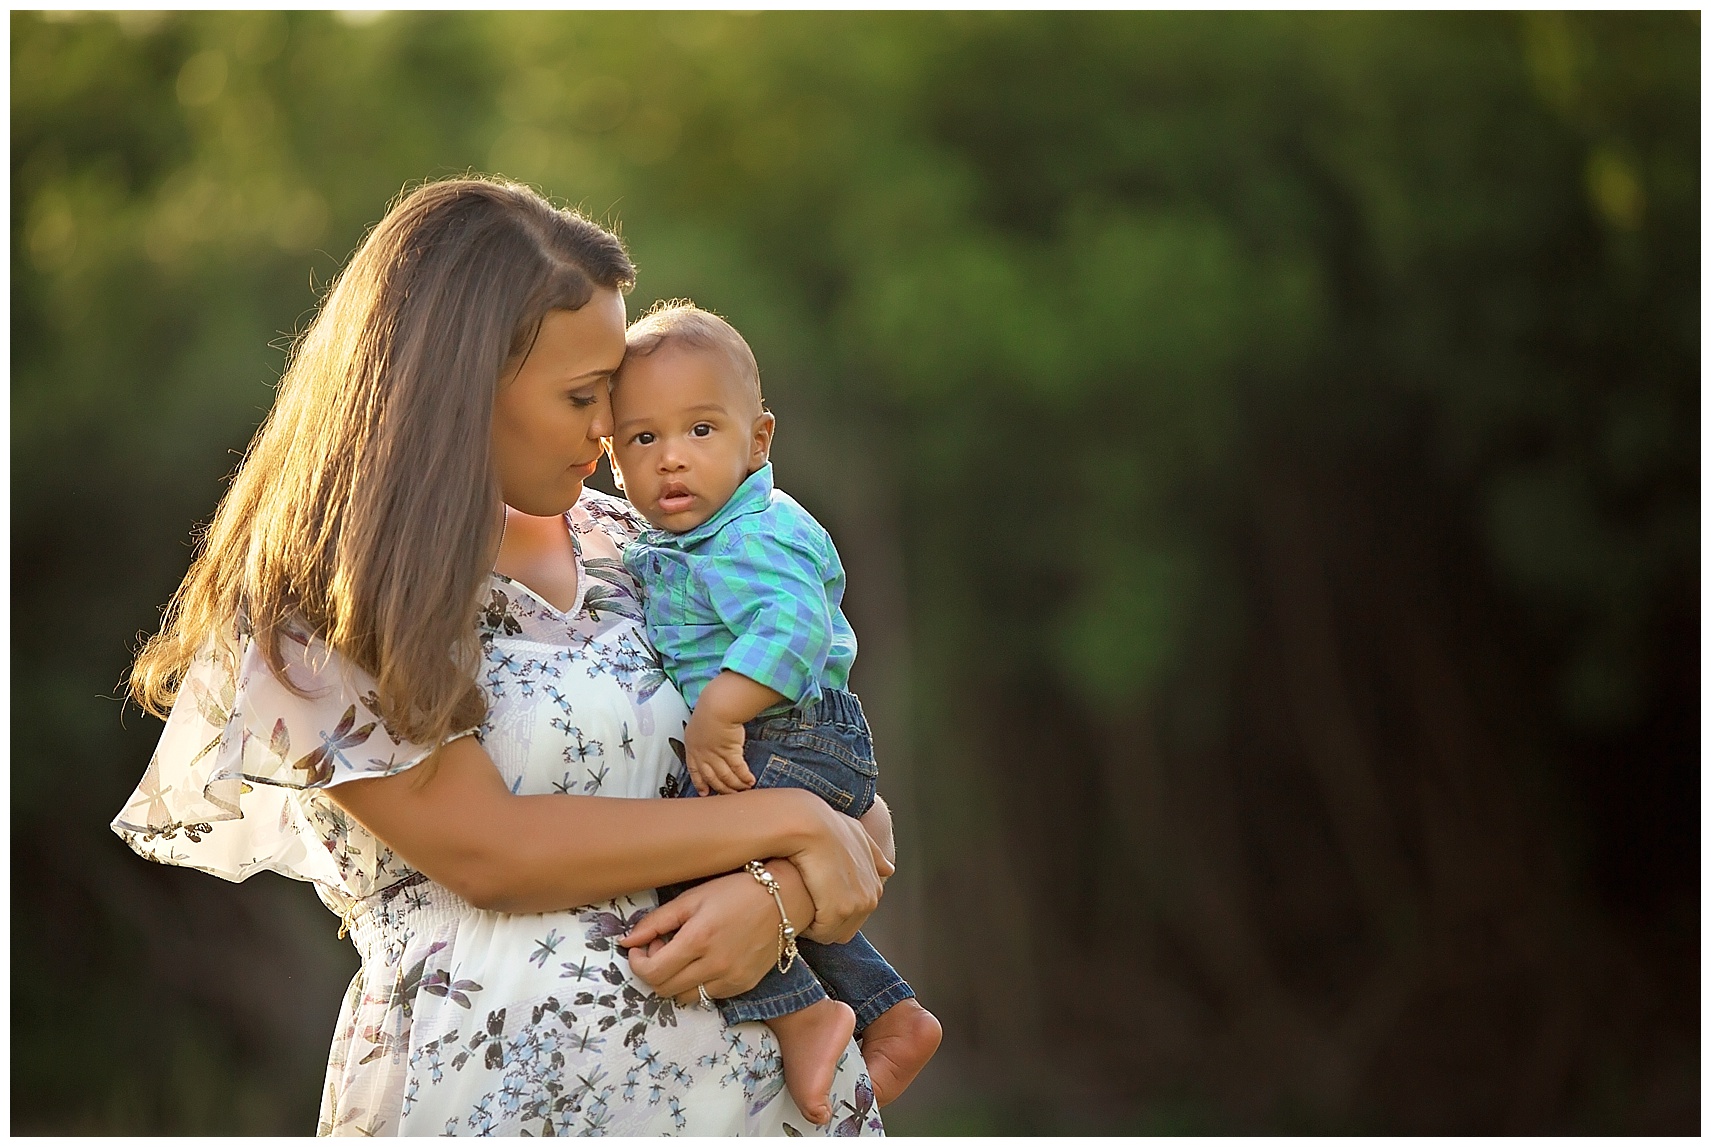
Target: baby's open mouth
[(675, 497)]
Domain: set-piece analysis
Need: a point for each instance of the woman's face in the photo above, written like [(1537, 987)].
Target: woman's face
[(555, 406)]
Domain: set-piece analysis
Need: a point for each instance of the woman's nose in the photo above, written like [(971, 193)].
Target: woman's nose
[(601, 424)]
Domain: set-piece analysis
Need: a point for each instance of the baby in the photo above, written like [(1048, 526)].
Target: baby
[(741, 592)]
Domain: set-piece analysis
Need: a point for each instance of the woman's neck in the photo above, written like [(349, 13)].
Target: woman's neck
[(538, 553)]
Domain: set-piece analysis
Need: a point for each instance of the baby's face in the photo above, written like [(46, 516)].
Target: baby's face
[(686, 432)]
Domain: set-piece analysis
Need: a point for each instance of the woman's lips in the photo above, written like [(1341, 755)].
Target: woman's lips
[(587, 468)]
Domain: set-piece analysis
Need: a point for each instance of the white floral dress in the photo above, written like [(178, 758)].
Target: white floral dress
[(463, 1021)]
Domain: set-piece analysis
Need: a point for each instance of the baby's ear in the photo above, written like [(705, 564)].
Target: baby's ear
[(761, 445)]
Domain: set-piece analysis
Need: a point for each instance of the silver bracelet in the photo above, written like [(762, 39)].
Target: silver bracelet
[(786, 930)]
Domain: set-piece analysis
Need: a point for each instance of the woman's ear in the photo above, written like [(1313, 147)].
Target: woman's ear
[(761, 444)]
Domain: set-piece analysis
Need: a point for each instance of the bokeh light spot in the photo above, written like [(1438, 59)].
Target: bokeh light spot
[(52, 233), (202, 79), (1615, 188)]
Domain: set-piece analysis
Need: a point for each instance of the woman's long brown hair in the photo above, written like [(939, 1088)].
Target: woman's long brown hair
[(367, 505)]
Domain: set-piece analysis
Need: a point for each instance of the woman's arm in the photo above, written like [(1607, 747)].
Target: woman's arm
[(453, 818)]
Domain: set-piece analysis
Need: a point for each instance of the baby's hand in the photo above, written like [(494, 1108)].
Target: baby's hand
[(713, 750)]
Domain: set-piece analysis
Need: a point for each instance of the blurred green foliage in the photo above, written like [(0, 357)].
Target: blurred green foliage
[(1079, 322)]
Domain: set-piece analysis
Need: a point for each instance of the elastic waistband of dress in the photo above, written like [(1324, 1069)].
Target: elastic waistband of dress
[(423, 908), (417, 905)]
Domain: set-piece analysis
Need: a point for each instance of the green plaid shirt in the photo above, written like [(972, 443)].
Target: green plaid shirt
[(754, 589)]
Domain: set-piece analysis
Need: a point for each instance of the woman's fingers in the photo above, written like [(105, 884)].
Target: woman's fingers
[(681, 985), (877, 822), (881, 862), (726, 939), (680, 962), (707, 972), (662, 921), (658, 964), (842, 871), (678, 975)]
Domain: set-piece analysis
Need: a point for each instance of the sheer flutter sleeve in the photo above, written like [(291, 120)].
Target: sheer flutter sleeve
[(236, 785)]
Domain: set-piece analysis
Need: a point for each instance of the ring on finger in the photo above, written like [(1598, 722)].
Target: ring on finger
[(706, 1000)]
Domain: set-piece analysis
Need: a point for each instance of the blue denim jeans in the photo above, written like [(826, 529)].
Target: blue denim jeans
[(823, 746)]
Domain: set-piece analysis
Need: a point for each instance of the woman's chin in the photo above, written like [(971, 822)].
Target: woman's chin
[(549, 505)]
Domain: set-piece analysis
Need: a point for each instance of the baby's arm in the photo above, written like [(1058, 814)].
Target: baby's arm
[(713, 743)]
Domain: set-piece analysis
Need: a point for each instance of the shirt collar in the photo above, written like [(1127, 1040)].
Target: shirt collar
[(751, 497)]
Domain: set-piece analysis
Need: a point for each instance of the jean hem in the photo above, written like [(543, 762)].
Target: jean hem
[(877, 1005), (737, 1009)]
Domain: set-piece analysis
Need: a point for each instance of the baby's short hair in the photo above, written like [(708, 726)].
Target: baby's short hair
[(681, 322)]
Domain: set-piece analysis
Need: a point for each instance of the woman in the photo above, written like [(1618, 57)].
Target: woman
[(407, 556)]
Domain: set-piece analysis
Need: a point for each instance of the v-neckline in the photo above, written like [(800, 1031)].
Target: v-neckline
[(581, 578)]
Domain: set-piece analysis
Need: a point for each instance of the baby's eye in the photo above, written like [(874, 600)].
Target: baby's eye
[(645, 438), (702, 429)]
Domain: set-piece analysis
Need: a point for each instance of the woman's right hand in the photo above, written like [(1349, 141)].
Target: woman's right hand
[(845, 873)]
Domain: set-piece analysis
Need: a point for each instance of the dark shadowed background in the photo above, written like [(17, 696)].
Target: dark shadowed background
[(1264, 448)]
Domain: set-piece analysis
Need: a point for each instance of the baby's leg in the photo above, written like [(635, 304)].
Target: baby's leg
[(898, 1036), (830, 752)]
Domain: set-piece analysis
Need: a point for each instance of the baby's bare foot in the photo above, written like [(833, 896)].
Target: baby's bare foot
[(811, 1042), (897, 1046)]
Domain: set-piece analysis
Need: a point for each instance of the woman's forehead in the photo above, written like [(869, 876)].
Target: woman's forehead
[(584, 341)]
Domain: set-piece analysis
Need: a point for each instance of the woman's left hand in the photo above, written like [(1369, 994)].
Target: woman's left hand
[(721, 935)]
